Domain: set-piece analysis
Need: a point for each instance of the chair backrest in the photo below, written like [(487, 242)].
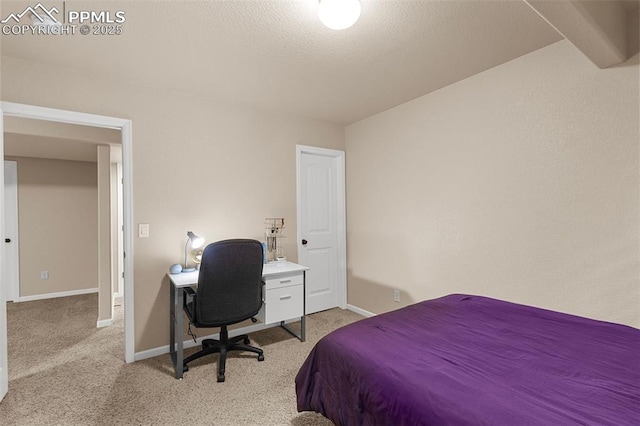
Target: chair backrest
[(229, 283)]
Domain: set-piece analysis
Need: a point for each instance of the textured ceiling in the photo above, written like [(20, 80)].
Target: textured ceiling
[(278, 56)]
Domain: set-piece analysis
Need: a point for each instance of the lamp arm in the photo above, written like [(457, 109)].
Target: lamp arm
[(185, 253)]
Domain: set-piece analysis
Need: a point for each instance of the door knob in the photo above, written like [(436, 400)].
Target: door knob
[(7, 240), (304, 242)]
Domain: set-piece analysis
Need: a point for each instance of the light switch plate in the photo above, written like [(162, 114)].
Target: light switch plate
[(143, 230)]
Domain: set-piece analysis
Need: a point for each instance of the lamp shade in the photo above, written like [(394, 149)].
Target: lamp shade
[(339, 14), (193, 242), (196, 242)]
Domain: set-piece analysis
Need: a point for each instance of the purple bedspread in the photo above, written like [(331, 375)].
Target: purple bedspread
[(470, 360)]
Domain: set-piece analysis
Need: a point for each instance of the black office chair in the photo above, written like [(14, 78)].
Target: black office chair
[(229, 291)]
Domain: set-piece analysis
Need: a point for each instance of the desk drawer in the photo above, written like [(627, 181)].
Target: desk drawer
[(282, 304), (283, 281)]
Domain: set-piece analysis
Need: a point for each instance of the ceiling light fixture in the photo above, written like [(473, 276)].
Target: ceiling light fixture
[(339, 14)]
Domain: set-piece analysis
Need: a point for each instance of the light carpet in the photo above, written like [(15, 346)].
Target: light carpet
[(65, 371)]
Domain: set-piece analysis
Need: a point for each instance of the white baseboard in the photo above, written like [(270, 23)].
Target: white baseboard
[(161, 350), (150, 353), (360, 311), (104, 323), (59, 294)]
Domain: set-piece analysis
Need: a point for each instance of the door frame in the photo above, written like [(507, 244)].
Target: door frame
[(120, 226), (339, 158), (125, 128), (13, 288), (4, 365)]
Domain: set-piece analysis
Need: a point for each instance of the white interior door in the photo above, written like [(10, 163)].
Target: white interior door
[(321, 227), (4, 368), (11, 270)]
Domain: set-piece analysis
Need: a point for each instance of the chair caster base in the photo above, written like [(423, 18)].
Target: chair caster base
[(260, 357), (220, 378)]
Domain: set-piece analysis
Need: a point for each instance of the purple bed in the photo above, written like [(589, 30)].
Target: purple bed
[(471, 360)]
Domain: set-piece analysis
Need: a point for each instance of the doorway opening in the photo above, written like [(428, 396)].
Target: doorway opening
[(8, 109), (52, 241)]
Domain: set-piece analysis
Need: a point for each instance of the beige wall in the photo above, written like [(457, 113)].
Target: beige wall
[(215, 168), (519, 183), (57, 203)]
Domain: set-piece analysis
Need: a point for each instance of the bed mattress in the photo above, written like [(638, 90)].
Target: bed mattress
[(471, 360)]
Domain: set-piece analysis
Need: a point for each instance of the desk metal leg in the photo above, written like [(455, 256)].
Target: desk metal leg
[(175, 330), (303, 318), (172, 324), (293, 333), (178, 336)]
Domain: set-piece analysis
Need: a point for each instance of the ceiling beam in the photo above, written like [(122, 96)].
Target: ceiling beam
[(33, 127), (597, 28)]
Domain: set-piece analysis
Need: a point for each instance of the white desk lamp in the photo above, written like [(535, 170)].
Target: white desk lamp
[(196, 242)]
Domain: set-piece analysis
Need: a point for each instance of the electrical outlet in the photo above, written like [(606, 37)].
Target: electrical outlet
[(396, 295), (44, 275)]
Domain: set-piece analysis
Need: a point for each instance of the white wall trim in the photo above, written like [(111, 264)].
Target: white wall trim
[(341, 212), (361, 311), (4, 366), (61, 116), (161, 350), (57, 294), (125, 127), (104, 323)]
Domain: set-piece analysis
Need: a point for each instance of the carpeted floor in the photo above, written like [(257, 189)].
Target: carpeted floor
[(65, 371)]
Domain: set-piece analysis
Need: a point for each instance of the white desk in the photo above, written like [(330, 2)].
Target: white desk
[(283, 297)]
